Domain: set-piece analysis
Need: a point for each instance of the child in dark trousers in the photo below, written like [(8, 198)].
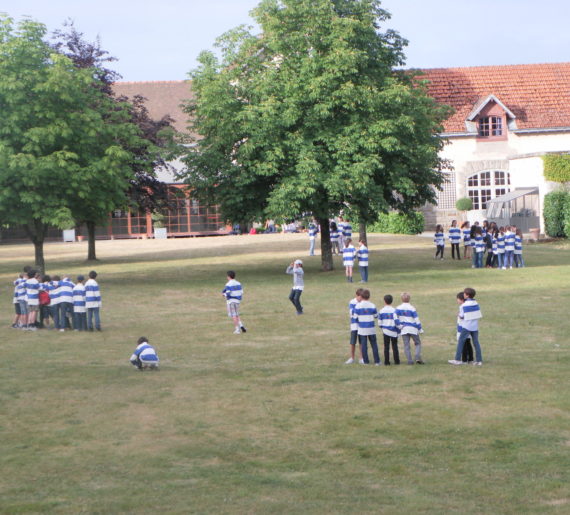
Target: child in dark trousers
[(388, 322), (467, 353)]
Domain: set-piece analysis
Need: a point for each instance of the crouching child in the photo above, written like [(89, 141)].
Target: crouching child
[(144, 355)]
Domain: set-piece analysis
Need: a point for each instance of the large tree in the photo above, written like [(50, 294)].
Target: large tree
[(150, 148), (310, 115), (61, 139)]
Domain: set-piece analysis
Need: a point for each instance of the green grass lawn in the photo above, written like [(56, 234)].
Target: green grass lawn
[(272, 421)]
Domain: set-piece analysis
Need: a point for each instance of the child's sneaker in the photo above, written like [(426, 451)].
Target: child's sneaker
[(361, 362), (349, 361), (454, 362), (478, 364), (237, 331), (243, 329)]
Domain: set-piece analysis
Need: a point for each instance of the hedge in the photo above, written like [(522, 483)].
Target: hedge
[(557, 167), (398, 223), (557, 213)]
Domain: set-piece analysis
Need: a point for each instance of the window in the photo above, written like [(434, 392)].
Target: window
[(484, 186), (490, 126)]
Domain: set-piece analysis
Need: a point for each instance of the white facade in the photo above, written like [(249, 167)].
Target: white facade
[(519, 156)]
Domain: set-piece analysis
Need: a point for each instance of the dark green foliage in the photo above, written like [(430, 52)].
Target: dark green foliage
[(310, 117), (399, 223), (557, 167), (464, 204), (556, 213), (566, 213)]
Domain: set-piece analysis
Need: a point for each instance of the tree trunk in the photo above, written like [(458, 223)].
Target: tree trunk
[(39, 255), (36, 232), (326, 248), (362, 232), (91, 255)]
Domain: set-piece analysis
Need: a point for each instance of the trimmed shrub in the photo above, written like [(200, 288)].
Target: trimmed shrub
[(557, 167), (399, 223), (566, 212), (464, 204), (555, 208)]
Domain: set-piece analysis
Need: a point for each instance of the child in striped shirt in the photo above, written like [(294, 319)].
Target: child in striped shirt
[(348, 255), (335, 237), (410, 326), (233, 293), (144, 355), (509, 247), (93, 302), (354, 327), (519, 261), (439, 240), (388, 322), (454, 238), (469, 313), (466, 231), (79, 309), (363, 261), (32, 286), (313, 230), (467, 354), (366, 313)]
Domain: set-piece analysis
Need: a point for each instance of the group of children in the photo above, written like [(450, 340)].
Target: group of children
[(404, 321), (68, 305), (393, 322), (503, 245)]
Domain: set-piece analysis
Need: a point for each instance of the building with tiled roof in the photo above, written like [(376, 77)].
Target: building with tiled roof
[(505, 118)]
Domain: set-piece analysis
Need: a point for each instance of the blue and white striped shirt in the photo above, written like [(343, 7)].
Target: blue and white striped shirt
[(518, 244), (366, 313), (33, 292), (233, 291), (454, 234), (313, 230), (21, 289), (479, 243), (66, 290), (53, 289), (334, 235), (16, 288), (467, 237), (146, 353), (353, 318), (470, 313), (363, 256), (439, 238), (408, 320), (92, 294), (501, 243), (509, 241), (388, 321), (79, 298), (348, 254), (347, 230)]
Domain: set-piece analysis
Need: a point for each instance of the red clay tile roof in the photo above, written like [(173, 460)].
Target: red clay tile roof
[(537, 94), (163, 98)]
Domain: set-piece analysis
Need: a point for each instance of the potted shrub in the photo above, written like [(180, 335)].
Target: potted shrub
[(464, 204)]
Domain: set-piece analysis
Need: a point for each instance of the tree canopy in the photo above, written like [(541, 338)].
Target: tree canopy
[(311, 115), (69, 150)]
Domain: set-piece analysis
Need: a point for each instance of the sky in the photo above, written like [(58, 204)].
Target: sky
[(160, 40)]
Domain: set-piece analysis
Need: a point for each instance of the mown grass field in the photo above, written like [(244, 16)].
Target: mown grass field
[(272, 421)]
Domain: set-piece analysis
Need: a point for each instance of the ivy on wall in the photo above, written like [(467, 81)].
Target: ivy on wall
[(557, 167)]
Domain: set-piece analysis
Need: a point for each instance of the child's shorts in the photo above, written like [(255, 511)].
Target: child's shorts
[(23, 307), (233, 309), (33, 307), (17, 308)]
